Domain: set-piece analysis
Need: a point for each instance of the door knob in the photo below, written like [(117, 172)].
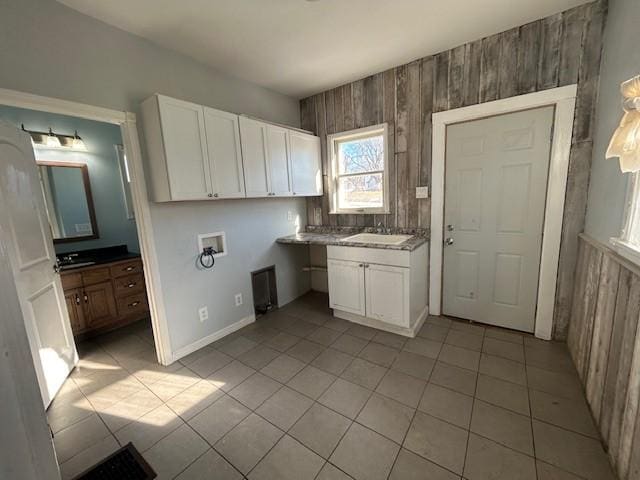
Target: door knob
[(449, 228), (448, 241)]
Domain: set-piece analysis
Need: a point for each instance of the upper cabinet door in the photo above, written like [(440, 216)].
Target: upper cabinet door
[(225, 155), (306, 166), (185, 148), (278, 160), (254, 157)]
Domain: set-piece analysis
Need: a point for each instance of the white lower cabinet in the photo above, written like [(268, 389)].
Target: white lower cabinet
[(386, 289), (346, 286)]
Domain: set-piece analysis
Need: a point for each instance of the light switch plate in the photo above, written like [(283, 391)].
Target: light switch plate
[(422, 192)]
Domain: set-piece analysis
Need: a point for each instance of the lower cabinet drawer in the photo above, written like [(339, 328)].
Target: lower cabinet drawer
[(132, 304), (126, 268), (128, 285), (95, 275)]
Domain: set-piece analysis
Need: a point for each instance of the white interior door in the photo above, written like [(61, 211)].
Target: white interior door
[(24, 231), (495, 192), (346, 286)]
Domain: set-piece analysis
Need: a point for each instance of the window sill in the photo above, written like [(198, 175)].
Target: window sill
[(626, 250), (372, 211)]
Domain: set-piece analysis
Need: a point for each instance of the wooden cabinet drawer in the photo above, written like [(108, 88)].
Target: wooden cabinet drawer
[(132, 304), (127, 285), (126, 268), (95, 275), (71, 280)]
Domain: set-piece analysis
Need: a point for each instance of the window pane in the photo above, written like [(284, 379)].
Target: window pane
[(361, 155), (360, 191)]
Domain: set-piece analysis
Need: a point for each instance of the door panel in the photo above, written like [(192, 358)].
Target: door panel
[(25, 234), (495, 192), (387, 294), (278, 160), (185, 146), (254, 157), (99, 304), (346, 286), (225, 156), (306, 168)]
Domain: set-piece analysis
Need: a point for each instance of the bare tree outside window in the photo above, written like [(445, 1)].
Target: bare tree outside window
[(359, 170)]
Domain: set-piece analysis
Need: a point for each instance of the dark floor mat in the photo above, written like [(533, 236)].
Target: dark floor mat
[(125, 464)]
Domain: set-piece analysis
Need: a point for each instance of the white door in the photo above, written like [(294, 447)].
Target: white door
[(495, 191), (387, 293), (306, 168), (185, 145), (225, 156), (254, 157), (278, 160), (346, 286), (25, 233)]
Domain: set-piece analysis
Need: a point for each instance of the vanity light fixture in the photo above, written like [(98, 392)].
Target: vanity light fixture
[(625, 143), (51, 139)]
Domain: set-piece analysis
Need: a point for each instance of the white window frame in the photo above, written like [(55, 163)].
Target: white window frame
[(332, 141), (622, 244)]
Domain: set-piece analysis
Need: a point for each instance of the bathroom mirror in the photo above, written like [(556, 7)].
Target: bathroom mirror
[(67, 193)]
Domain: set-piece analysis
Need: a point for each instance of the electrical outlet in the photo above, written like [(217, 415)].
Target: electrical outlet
[(203, 313), (290, 216), (238, 299), (422, 192)]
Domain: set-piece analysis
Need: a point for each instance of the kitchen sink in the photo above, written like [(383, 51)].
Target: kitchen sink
[(377, 238)]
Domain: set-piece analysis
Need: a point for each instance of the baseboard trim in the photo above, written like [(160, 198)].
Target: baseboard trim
[(373, 323), (203, 342)]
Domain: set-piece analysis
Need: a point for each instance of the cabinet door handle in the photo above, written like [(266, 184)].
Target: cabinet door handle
[(77, 299), (361, 264), (215, 195), (128, 269), (134, 304), (131, 285), (366, 265), (209, 195), (86, 298)]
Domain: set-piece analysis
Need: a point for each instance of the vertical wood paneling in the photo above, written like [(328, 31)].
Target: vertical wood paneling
[(471, 82), (613, 346), (456, 77), (601, 338), (528, 57), (441, 84), (508, 66), (558, 50), (389, 116), (489, 67), (549, 67)]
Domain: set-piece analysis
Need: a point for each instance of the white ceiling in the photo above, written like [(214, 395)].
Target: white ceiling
[(301, 47)]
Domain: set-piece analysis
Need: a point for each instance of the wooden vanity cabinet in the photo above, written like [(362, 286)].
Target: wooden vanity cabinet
[(103, 297)]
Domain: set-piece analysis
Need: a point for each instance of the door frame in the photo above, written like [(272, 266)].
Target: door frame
[(564, 100), (129, 131)]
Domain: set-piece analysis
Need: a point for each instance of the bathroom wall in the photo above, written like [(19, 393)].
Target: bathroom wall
[(101, 159)]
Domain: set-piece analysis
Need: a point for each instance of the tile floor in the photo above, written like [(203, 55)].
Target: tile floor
[(303, 395)]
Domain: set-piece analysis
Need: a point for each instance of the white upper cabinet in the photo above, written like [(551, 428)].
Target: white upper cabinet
[(185, 150), (278, 160), (199, 153), (254, 157), (306, 166), (225, 155)]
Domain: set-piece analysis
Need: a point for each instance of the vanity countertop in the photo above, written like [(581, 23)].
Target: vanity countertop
[(90, 258), (316, 238)]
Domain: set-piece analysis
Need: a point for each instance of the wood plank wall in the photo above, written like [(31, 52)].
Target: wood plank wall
[(559, 50), (604, 341)]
